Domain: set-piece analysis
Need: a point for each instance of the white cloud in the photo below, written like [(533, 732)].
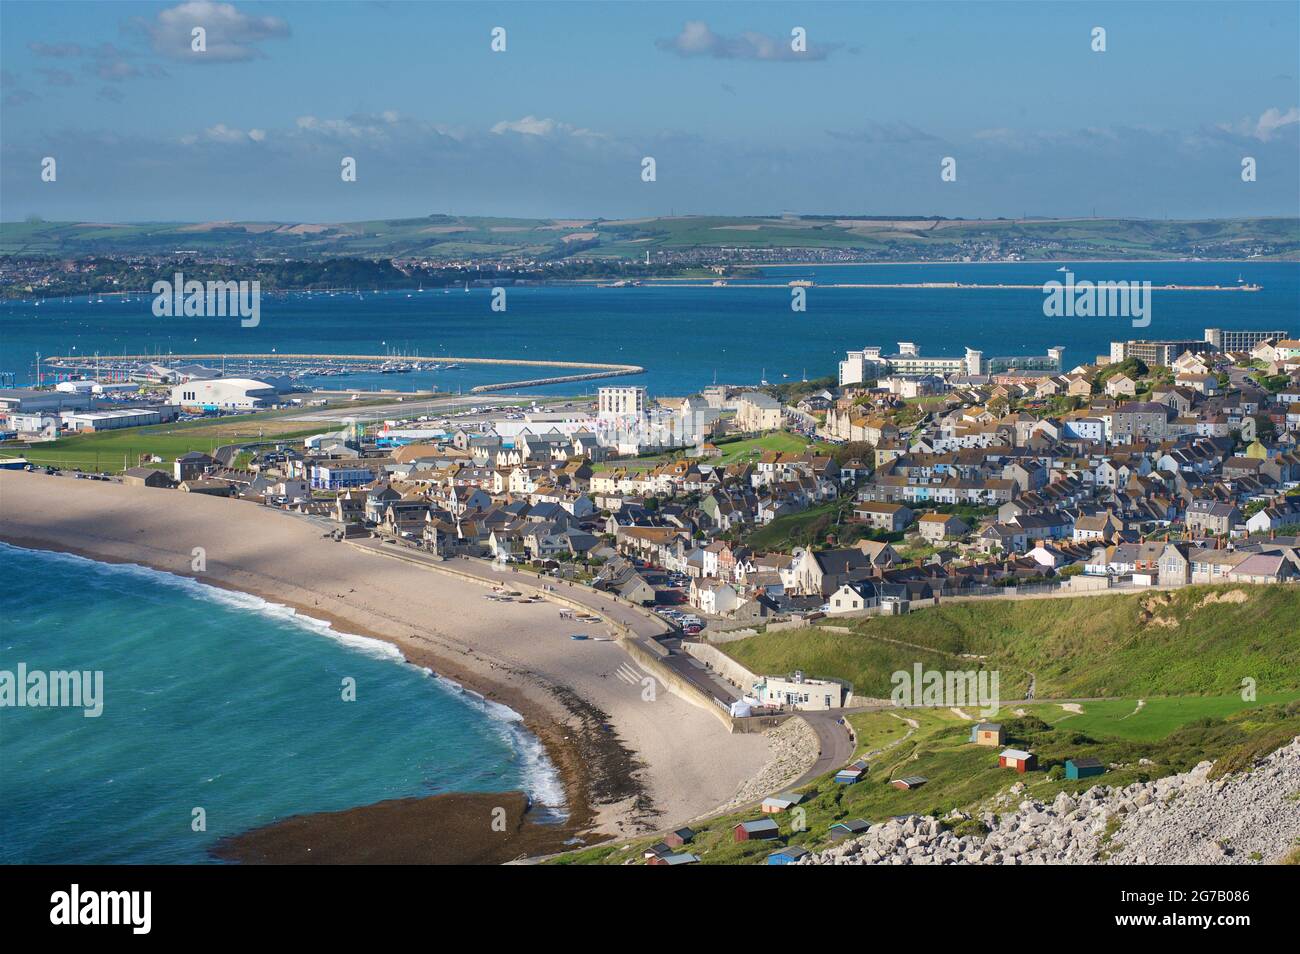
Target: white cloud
[(221, 133), (698, 39), (231, 35), (1269, 123), (535, 126)]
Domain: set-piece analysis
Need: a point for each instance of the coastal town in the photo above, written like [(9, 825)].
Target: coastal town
[(908, 479), (629, 435), (905, 483)]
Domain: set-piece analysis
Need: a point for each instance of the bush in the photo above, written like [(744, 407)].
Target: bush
[(970, 828)]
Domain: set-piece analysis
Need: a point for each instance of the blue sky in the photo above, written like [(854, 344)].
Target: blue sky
[(143, 128)]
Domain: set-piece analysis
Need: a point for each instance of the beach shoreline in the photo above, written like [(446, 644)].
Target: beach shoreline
[(619, 777), (256, 846)]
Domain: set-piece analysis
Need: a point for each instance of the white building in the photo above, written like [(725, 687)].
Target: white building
[(757, 411), (87, 386), (111, 420), (78, 386), (35, 423), (859, 366), (869, 363), (224, 394), (1086, 428), (621, 401), (798, 692)]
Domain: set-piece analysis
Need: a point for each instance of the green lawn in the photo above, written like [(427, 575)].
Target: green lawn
[(875, 732), (754, 447), (816, 527), (1157, 718), (732, 451), (113, 451)]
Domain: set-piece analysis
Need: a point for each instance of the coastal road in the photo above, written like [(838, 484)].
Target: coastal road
[(834, 742)]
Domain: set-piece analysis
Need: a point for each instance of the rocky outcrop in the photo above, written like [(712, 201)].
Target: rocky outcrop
[(1251, 817)]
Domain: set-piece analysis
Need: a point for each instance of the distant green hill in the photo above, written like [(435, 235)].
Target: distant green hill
[(1196, 640), (870, 238)]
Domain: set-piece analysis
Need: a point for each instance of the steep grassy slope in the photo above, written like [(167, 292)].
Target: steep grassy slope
[(1198, 640), (962, 775)]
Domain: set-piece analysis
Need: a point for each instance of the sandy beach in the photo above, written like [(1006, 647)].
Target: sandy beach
[(628, 765)]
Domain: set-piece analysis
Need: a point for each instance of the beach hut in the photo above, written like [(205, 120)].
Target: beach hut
[(852, 773), (685, 858), (1083, 768), (755, 830), (774, 804), (847, 828), (682, 836), (1017, 759), (787, 856), (657, 850), (909, 782), (988, 733)]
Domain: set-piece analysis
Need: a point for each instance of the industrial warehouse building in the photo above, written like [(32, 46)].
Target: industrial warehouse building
[(33, 401), (220, 394), (113, 419)]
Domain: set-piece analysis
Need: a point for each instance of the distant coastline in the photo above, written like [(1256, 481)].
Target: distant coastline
[(9, 293)]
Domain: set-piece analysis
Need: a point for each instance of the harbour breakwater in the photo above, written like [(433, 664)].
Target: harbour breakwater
[(592, 370)]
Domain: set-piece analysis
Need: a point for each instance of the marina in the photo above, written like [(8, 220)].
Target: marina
[(299, 366)]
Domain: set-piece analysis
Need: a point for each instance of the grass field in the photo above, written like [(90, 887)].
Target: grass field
[(116, 450), (812, 527), (1156, 718), (964, 776), (864, 662), (732, 451), (1195, 641)]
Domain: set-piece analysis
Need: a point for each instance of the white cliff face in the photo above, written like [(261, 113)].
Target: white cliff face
[(1248, 818)]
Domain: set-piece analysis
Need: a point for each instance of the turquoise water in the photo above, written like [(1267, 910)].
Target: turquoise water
[(684, 337), (223, 702)]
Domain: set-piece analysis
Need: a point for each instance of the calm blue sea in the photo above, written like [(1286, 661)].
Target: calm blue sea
[(685, 337), (219, 701)]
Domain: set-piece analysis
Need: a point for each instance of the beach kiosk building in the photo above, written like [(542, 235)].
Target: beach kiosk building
[(755, 830), (988, 733), (1083, 768), (1018, 759)]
